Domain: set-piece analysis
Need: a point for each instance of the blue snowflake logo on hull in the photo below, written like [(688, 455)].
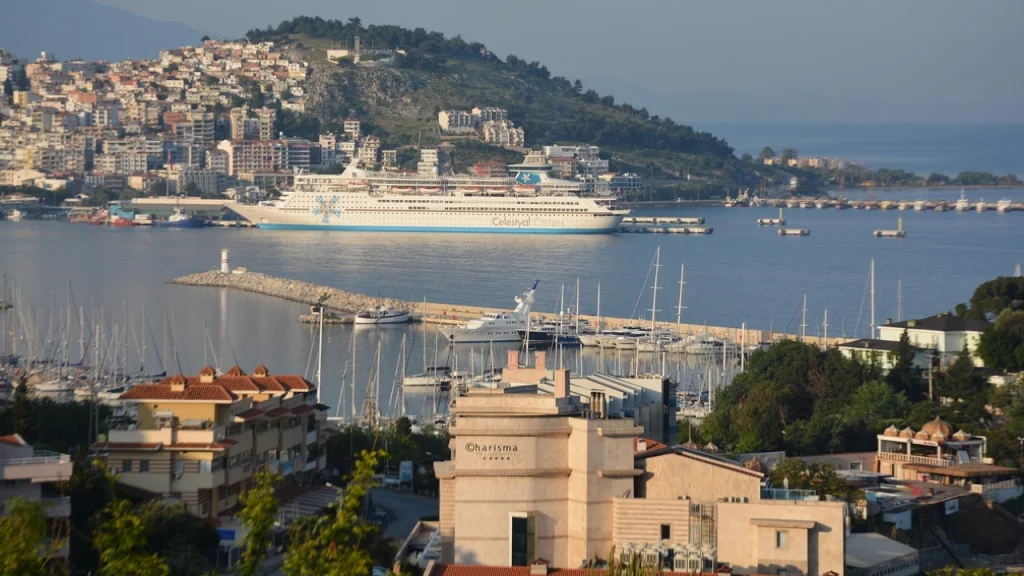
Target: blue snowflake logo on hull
[(328, 206)]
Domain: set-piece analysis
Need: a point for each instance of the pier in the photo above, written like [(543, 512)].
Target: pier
[(662, 220), (634, 228), (899, 232), (438, 313)]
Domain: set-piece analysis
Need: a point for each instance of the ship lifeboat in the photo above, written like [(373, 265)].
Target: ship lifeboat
[(525, 189), (497, 189), (467, 189), (402, 189), (358, 186), (431, 189)]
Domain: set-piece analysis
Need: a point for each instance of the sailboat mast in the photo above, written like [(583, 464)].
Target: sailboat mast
[(826, 327), (577, 305), (803, 321), (124, 348), (679, 305), (872, 298), (145, 332), (320, 354), (654, 290)]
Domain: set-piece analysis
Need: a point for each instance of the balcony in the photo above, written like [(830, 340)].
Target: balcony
[(929, 461), (54, 507), (266, 441), (311, 437), (42, 466), (786, 494)]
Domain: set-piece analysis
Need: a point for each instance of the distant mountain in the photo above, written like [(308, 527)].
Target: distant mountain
[(729, 106), (84, 29)]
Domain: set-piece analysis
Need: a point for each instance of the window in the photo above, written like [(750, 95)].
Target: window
[(856, 465), (143, 465), (204, 466), (126, 466), (523, 539), (781, 539), (666, 532)]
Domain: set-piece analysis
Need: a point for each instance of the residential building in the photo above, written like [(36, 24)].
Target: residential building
[(490, 169), (502, 133), (268, 122), (563, 166), (255, 155), (871, 554), (124, 163), (207, 181), (428, 155), (882, 353), (238, 117), (588, 158), (488, 114), (455, 121), (562, 478), (31, 474), (199, 439), (945, 334), (106, 116), (390, 157), (351, 127), (369, 150), (218, 161), (936, 453)]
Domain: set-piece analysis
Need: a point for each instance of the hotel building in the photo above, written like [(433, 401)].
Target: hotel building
[(199, 439), (553, 477)]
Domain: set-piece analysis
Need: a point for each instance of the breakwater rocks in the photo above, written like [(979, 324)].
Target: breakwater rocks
[(294, 290)]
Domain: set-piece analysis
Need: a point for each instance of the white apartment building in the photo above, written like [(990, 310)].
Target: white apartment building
[(944, 334), (503, 133), (27, 473), (254, 156), (588, 158), (125, 163), (206, 180), (455, 121), (489, 114)]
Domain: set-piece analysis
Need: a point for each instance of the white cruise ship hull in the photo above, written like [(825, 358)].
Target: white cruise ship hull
[(463, 335), (484, 220)]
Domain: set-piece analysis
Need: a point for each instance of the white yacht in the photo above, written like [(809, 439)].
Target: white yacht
[(962, 205), (381, 315), (1004, 206), (494, 326)]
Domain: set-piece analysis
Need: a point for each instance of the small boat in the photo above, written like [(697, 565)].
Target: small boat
[(903, 206), (494, 326), (179, 219), (402, 189), (962, 205), (805, 204), (919, 206), (434, 376), (525, 189), (885, 205), (117, 222), (791, 203), (431, 190), (15, 215), (498, 190), (143, 220), (941, 207), (820, 204), (1004, 206), (465, 189), (381, 315), (981, 206)]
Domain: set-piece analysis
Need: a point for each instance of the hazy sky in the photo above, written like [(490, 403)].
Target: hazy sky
[(948, 50)]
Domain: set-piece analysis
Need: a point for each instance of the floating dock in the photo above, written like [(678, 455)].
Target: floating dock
[(794, 232), (780, 221), (899, 232), (662, 220), (667, 229)]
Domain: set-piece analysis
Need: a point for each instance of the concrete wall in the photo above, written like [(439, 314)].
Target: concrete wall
[(750, 548), (639, 520), (673, 476)]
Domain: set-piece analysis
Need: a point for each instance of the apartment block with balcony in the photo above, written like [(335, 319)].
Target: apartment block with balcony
[(199, 439), (936, 453), (29, 474)]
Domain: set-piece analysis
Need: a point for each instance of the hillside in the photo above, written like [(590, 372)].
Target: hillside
[(400, 103)]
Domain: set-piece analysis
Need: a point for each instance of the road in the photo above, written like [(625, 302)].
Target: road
[(403, 509)]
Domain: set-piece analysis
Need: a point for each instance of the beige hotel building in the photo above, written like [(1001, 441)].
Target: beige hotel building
[(538, 477)]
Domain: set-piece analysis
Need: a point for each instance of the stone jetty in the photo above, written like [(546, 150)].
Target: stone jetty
[(350, 302), (294, 290)]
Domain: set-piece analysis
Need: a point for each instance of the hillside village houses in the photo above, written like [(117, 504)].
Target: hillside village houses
[(189, 120)]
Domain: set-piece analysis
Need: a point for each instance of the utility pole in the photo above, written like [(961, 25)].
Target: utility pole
[(803, 322), (872, 299)]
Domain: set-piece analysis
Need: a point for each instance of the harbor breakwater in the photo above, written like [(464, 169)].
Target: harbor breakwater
[(431, 312)]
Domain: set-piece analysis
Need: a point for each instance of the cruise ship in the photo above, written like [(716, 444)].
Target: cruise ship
[(358, 199)]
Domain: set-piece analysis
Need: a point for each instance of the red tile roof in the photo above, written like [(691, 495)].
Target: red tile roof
[(260, 370), (216, 446), (249, 414), (277, 412), (268, 383), (294, 382), (234, 371), (207, 371), (13, 439), (651, 445), (237, 383), (148, 446), (195, 391)]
